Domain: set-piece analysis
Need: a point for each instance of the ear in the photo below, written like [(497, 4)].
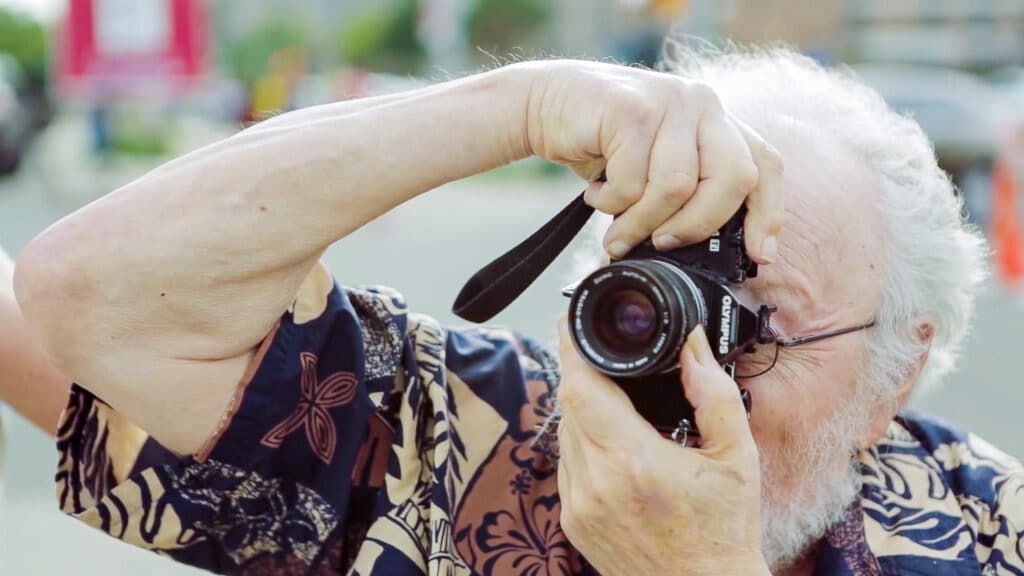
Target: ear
[(883, 413)]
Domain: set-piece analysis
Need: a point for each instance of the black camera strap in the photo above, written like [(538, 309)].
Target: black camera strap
[(496, 285)]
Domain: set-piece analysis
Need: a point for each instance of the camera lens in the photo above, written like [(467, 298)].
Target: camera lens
[(629, 319)]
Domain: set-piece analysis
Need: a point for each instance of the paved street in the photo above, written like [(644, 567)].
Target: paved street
[(426, 249)]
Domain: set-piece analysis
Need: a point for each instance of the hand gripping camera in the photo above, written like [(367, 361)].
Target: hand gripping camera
[(629, 319)]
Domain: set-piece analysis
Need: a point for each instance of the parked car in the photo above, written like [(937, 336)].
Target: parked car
[(16, 122)]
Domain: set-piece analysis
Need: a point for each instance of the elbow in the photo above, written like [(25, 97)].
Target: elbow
[(55, 294)]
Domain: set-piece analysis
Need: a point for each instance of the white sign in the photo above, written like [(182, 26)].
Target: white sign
[(132, 27)]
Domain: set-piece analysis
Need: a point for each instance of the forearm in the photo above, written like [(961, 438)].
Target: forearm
[(28, 382), (155, 296), (236, 226)]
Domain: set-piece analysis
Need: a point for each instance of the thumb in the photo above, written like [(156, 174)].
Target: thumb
[(718, 406), (765, 212)]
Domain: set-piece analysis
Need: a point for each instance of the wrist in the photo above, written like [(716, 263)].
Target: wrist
[(509, 90)]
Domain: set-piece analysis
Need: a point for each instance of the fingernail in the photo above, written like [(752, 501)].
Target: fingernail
[(667, 242), (769, 249), (618, 249)]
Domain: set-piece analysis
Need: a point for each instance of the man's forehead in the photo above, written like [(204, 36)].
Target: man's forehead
[(781, 284), (830, 241)]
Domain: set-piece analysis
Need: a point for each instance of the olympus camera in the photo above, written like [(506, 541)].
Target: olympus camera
[(630, 319)]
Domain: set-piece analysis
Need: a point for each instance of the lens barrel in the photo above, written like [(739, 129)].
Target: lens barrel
[(630, 318)]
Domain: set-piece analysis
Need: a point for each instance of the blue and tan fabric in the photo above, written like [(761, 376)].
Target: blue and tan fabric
[(369, 441)]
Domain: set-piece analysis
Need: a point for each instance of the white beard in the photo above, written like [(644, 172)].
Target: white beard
[(829, 481)]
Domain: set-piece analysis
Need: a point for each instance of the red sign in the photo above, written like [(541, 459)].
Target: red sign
[(113, 46)]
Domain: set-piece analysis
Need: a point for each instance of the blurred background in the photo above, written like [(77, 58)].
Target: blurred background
[(93, 93)]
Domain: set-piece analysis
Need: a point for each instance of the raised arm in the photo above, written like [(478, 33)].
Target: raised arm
[(155, 296), (28, 381), (158, 292)]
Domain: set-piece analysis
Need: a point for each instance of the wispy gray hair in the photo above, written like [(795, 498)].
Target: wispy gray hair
[(933, 260)]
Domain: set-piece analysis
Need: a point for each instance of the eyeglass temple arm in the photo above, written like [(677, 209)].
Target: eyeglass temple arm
[(797, 341)]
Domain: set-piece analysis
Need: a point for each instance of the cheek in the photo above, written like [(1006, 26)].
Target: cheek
[(795, 399), (771, 409)]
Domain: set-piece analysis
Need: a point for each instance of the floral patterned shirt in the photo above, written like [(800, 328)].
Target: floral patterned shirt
[(366, 440)]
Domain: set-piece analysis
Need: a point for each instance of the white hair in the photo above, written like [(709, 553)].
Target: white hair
[(934, 261)]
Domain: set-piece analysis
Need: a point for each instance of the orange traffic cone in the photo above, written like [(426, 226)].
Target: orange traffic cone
[(1007, 235)]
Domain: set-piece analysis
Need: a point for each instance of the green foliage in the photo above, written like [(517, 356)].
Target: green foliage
[(247, 57), (502, 25), (26, 41), (384, 39)]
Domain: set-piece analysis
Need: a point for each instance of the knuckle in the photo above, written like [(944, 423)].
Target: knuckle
[(704, 95), (624, 195), (606, 204), (746, 177), (771, 160), (677, 188), (676, 84), (637, 107), (700, 229), (773, 222), (763, 219)]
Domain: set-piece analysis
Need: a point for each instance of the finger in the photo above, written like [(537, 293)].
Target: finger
[(718, 406), (765, 204), (671, 181), (593, 191), (593, 403), (628, 155), (727, 176), (589, 170)]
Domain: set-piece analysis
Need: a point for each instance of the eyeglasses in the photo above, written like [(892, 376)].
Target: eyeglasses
[(763, 357)]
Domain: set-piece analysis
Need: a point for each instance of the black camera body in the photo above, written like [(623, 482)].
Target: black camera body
[(629, 319)]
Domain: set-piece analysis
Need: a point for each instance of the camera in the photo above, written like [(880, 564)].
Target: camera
[(629, 319)]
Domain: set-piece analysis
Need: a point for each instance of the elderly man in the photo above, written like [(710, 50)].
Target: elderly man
[(239, 411)]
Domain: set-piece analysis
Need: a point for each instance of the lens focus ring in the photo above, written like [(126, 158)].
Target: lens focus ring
[(630, 318)]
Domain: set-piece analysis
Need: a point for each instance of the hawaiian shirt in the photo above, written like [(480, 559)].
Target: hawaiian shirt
[(366, 440)]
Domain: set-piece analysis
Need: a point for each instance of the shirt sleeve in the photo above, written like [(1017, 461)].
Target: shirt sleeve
[(273, 490), (988, 486)]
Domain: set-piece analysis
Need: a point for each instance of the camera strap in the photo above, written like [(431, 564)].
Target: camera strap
[(499, 283)]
